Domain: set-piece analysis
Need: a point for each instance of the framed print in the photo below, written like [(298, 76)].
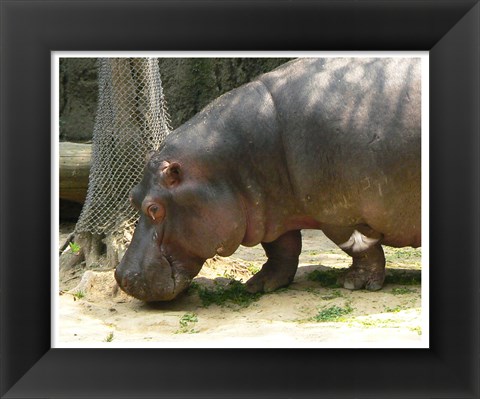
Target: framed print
[(41, 357), (310, 311)]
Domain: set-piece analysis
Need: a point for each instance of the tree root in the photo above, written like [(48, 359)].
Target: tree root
[(96, 250)]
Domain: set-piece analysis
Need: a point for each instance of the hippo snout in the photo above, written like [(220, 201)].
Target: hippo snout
[(132, 284), (154, 282)]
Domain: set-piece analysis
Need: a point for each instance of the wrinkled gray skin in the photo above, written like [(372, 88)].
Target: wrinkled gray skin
[(330, 144)]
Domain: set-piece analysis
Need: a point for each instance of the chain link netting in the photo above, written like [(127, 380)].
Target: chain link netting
[(131, 120)]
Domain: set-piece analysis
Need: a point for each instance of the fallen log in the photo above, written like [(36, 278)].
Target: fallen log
[(74, 163)]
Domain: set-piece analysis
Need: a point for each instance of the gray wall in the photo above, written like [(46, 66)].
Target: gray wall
[(189, 84)]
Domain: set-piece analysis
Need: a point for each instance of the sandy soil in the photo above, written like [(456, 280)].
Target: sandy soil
[(93, 312)]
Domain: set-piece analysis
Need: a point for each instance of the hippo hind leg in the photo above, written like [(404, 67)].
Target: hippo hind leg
[(281, 266), (363, 244)]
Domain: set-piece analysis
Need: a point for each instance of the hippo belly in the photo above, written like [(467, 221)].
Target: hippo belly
[(330, 144), (353, 143)]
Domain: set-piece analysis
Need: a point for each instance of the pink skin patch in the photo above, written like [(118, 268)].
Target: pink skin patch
[(358, 242)]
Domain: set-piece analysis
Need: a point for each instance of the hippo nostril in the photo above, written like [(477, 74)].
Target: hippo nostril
[(127, 281)]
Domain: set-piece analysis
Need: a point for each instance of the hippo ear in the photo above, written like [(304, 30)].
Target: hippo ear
[(171, 174)]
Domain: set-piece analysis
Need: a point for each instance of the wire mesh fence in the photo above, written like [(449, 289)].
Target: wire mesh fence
[(131, 120)]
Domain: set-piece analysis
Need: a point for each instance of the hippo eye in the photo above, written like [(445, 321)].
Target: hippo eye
[(156, 212)]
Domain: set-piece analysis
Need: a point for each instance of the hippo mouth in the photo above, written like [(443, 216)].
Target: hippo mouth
[(156, 281)]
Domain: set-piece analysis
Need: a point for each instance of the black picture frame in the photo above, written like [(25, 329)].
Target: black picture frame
[(30, 30)]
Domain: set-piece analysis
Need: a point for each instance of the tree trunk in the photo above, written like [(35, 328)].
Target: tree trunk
[(75, 162)]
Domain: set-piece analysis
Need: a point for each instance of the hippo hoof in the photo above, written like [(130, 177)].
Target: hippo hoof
[(259, 284), (357, 279), (268, 280)]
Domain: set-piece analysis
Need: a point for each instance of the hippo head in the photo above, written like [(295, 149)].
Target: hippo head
[(186, 216)]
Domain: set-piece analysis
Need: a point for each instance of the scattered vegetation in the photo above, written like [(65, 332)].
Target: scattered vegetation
[(326, 278), (186, 322), (332, 313), (376, 323), (332, 295), (252, 268), (74, 247), (395, 309), (411, 256), (418, 330), (234, 293), (109, 337), (193, 287), (229, 274), (403, 277), (402, 291), (78, 295)]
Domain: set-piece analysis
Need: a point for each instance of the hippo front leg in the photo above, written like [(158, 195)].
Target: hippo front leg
[(281, 266), (363, 244)]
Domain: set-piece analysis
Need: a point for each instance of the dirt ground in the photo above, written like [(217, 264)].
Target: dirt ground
[(215, 312)]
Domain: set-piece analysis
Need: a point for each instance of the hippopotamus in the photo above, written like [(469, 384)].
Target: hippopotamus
[(318, 143)]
